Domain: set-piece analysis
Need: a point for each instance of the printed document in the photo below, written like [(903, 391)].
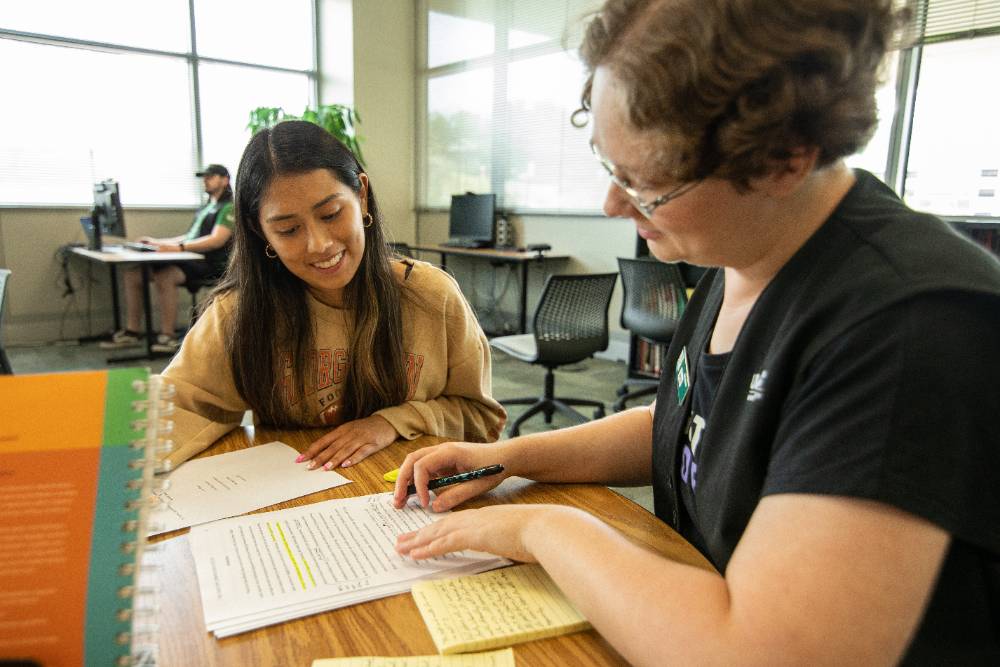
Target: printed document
[(261, 569)]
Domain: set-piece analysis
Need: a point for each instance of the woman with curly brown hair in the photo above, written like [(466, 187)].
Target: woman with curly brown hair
[(826, 434)]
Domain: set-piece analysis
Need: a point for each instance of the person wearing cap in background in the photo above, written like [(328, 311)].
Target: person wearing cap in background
[(210, 234)]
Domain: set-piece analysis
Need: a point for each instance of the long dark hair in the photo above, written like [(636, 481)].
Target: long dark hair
[(271, 317)]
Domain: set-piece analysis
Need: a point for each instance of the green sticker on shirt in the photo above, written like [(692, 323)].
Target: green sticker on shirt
[(681, 375)]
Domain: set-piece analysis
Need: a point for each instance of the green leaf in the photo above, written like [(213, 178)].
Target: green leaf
[(339, 120)]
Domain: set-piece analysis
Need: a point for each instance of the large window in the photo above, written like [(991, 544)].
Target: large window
[(499, 82), (143, 92), (92, 115), (954, 157), (500, 79)]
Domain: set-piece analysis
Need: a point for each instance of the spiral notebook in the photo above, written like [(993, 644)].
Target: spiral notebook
[(77, 456)]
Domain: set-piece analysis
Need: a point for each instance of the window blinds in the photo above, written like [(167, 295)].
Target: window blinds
[(934, 21)]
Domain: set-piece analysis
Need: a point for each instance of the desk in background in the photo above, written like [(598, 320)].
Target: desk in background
[(145, 260), (389, 626), (522, 258)]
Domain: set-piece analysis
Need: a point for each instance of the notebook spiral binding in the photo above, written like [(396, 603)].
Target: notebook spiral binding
[(138, 611)]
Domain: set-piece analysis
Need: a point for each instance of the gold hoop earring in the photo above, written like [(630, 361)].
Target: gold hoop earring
[(268, 250), (369, 218)]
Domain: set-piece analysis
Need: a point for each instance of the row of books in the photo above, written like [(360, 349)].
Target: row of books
[(647, 357)]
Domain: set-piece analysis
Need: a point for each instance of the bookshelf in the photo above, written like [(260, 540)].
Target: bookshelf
[(645, 362)]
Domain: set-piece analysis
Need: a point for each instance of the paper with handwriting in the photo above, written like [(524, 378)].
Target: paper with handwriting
[(502, 658), (498, 608), (226, 485)]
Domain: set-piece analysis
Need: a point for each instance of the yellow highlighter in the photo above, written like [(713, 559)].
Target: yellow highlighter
[(391, 475)]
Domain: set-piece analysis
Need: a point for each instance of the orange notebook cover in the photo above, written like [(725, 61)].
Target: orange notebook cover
[(74, 478)]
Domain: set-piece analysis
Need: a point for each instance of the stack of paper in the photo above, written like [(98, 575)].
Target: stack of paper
[(225, 485), (495, 609), (266, 568)]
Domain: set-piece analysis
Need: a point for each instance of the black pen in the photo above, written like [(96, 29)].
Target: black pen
[(457, 479)]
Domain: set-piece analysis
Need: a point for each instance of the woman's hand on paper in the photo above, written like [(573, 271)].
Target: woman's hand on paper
[(504, 530), (349, 443), (448, 458)]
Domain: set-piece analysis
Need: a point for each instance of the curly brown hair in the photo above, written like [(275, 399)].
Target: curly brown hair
[(735, 86)]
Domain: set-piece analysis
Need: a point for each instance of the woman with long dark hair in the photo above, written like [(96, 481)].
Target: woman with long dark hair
[(315, 323)]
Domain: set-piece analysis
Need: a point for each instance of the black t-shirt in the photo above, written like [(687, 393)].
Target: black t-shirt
[(869, 368)]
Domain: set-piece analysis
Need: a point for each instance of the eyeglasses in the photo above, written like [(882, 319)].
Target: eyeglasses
[(644, 207)]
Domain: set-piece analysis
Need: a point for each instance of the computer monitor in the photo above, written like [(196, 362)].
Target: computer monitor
[(107, 217), (471, 219)]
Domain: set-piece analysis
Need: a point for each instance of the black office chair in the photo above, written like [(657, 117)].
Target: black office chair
[(5, 368), (570, 325), (654, 297)]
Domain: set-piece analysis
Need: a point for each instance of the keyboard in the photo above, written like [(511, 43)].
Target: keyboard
[(141, 247), (128, 246), (465, 243)]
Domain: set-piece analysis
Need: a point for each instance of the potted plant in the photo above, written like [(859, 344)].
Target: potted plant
[(337, 119)]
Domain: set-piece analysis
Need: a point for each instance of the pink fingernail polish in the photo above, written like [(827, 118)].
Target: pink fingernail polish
[(328, 466), (302, 457), (345, 464), (311, 465)]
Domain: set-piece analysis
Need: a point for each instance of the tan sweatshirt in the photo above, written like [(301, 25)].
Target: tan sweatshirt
[(447, 364)]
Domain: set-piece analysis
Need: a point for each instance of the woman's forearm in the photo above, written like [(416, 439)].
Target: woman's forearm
[(614, 450), (642, 603)]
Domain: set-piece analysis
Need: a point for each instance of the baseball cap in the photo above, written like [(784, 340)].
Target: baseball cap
[(215, 169)]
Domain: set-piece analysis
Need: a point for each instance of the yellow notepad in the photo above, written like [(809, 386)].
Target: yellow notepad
[(497, 608), (504, 658)]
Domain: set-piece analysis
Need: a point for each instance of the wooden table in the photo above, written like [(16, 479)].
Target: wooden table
[(145, 260), (522, 258), (390, 626)]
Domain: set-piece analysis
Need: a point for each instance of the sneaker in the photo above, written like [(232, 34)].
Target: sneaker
[(119, 339), (165, 343)]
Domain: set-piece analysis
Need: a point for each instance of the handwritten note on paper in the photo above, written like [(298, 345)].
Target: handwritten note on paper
[(499, 608), (225, 485), (504, 658)]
